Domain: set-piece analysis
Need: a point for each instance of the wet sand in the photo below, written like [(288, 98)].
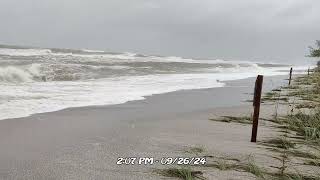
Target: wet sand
[(84, 143)]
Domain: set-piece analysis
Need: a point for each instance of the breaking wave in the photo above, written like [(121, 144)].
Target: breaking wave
[(13, 74)]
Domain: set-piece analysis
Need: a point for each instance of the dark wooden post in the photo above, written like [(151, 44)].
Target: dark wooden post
[(290, 76), (256, 105), (308, 71)]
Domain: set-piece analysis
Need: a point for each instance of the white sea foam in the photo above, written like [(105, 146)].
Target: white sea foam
[(92, 51), (109, 57), (119, 67), (24, 52), (53, 96)]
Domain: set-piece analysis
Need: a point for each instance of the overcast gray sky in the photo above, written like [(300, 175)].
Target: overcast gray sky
[(229, 29)]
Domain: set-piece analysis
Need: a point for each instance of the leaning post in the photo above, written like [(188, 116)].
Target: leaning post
[(256, 105), (290, 76)]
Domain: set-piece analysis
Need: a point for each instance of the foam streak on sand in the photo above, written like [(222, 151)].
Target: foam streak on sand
[(43, 80)]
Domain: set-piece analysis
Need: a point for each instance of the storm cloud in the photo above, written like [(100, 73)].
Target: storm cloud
[(278, 30)]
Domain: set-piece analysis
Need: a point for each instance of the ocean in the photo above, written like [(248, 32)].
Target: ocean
[(37, 80)]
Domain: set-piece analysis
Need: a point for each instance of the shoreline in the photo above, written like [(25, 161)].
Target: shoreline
[(226, 84), (85, 142)]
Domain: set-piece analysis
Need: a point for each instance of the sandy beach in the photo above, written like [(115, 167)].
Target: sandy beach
[(85, 143)]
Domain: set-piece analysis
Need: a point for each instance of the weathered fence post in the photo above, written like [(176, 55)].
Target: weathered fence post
[(290, 76), (256, 105), (308, 71)]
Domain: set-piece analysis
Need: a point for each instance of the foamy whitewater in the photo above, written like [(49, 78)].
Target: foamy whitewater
[(43, 80)]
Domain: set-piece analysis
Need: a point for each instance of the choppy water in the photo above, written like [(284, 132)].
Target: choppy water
[(42, 80)]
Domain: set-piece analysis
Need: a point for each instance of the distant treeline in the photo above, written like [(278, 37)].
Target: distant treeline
[(315, 52)]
